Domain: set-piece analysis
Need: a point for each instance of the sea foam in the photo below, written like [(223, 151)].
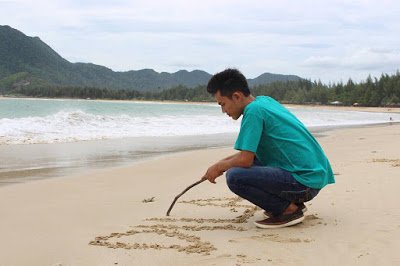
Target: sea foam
[(101, 121), (77, 125)]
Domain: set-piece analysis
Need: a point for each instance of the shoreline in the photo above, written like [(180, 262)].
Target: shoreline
[(310, 106), (37, 168), (395, 110), (44, 161), (102, 218), (97, 155)]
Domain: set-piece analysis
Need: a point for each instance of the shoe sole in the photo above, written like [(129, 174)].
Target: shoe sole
[(303, 210), (293, 222)]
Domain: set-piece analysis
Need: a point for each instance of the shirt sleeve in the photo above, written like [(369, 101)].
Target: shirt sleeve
[(250, 133)]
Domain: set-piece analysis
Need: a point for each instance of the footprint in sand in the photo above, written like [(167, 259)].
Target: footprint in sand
[(393, 162)]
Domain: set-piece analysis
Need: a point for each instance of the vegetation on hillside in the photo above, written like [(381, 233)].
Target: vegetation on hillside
[(384, 91)]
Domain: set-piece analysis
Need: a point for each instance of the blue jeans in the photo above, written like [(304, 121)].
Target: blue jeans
[(270, 188)]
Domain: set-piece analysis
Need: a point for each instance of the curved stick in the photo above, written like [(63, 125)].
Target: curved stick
[(183, 192)]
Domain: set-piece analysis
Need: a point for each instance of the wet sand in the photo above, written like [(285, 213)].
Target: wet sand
[(24, 163)]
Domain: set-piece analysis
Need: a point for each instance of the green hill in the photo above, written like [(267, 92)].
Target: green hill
[(27, 60), (268, 78)]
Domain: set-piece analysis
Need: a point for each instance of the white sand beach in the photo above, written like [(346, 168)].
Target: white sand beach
[(102, 217)]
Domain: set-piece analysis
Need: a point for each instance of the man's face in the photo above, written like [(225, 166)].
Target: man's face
[(232, 107)]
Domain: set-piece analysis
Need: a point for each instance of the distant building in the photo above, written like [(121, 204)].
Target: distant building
[(336, 103)]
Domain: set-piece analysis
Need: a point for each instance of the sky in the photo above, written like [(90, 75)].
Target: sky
[(330, 40)]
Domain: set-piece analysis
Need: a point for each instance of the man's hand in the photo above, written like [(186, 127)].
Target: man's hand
[(240, 159), (213, 172)]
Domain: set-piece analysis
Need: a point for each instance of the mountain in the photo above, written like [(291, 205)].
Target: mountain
[(269, 78), (34, 61)]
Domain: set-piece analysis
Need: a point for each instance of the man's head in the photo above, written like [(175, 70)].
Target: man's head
[(227, 82), (231, 91)]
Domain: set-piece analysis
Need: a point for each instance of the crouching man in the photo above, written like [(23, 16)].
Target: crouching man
[(279, 164)]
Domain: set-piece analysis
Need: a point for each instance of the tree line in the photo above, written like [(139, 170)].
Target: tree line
[(383, 91)]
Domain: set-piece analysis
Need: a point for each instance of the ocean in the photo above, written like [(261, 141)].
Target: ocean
[(42, 138)]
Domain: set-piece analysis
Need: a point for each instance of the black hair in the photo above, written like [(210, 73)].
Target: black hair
[(227, 82)]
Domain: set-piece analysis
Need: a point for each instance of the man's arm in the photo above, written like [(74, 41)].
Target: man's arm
[(240, 159)]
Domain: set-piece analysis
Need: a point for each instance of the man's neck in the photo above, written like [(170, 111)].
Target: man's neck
[(248, 100)]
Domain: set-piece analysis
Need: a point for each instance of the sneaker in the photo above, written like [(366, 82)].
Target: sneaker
[(282, 220), (301, 206)]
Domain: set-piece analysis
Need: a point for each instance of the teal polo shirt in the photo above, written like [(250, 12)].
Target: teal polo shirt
[(279, 139)]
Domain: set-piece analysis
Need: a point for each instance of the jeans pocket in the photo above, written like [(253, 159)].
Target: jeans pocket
[(299, 196)]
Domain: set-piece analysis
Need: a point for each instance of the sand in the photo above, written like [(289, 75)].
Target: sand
[(117, 216), (348, 108)]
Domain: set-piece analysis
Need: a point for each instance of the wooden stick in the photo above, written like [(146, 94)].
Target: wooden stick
[(183, 192)]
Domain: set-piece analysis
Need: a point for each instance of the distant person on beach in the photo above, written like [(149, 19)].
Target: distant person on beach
[(279, 164)]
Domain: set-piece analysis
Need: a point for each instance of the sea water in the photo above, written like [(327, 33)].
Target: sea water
[(33, 121), (46, 137)]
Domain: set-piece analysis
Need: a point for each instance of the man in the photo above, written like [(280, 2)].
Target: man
[(279, 165)]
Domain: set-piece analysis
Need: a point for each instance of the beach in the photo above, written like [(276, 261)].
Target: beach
[(117, 216)]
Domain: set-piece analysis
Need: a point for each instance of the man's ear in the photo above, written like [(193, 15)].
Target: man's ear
[(237, 96)]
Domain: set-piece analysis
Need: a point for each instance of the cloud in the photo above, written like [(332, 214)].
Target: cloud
[(360, 59), (322, 62), (315, 45), (373, 59), (184, 64), (332, 39), (356, 64)]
